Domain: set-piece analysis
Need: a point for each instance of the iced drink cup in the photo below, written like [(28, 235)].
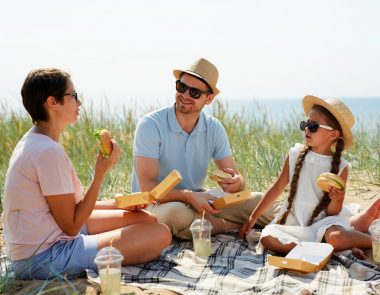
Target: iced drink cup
[(374, 230), (201, 231), (109, 261)]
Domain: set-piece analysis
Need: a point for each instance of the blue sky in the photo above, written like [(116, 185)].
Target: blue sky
[(126, 50)]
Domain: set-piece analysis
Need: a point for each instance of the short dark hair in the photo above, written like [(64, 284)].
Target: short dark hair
[(38, 86)]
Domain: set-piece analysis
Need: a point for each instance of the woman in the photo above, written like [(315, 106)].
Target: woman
[(50, 225)]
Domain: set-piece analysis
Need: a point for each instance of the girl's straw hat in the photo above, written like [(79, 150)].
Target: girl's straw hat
[(339, 110), (203, 69)]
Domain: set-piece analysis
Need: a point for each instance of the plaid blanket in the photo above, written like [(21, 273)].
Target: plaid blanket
[(234, 267)]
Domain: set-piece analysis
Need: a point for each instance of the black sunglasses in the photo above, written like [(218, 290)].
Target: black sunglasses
[(194, 92), (73, 94), (313, 127)]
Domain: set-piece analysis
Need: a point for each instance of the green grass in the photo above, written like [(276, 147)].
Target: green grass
[(258, 141)]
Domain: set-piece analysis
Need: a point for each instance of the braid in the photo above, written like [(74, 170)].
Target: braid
[(293, 185), (335, 163), (337, 156)]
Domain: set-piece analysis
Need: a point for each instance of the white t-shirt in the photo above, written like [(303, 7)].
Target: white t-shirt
[(39, 167)]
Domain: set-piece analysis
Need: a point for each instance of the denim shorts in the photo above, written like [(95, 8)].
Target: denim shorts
[(65, 257)]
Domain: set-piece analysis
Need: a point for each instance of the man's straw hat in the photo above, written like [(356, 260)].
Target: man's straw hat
[(339, 110), (204, 70)]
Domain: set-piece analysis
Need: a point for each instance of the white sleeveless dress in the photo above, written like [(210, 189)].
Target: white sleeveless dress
[(308, 195)]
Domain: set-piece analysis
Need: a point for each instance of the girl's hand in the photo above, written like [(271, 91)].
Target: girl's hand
[(336, 194), (247, 226)]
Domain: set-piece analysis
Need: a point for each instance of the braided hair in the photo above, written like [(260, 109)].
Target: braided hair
[(335, 163), (293, 185)]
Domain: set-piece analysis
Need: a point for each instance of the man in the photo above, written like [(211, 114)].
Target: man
[(184, 137)]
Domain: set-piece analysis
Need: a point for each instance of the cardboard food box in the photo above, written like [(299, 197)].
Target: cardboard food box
[(156, 193), (226, 200), (307, 257), (166, 185), (134, 199)]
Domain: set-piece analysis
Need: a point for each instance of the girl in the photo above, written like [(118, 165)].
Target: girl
[(50, 226), (309, 214)]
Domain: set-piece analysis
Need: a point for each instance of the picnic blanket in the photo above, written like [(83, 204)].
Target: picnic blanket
[(235, 268)]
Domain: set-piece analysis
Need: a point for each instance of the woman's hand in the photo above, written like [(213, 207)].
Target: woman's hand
[(103, 165), (136, 208), (247, 226)]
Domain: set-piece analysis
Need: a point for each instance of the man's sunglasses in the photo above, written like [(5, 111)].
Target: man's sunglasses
[(194, 92), (73, 94), (313, 127)]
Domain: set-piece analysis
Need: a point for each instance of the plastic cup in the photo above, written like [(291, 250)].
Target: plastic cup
[(109, 261), (201, 231), (374, 231)]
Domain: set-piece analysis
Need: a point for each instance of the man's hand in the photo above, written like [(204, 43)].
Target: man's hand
[(231, 185), (200, 202), (247, 226)]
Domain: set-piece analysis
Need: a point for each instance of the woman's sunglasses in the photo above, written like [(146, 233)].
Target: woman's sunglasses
[(73, 94), (194, 92), (313, 127)]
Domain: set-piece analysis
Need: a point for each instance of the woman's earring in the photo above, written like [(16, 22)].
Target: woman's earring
[(333, 148)]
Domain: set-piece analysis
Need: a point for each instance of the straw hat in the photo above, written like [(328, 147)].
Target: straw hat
[(203, 69), (339, 110)]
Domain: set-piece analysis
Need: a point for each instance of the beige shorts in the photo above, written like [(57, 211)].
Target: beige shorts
[(178, 216)]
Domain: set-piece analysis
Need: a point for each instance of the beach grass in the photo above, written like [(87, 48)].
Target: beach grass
[(259, 143)]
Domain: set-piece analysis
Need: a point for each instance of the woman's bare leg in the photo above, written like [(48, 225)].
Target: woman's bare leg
[(139, 243), (136, 234), (362, 220), (106, 220)]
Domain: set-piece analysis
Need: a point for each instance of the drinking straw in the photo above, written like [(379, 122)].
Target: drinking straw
[(108, 265)]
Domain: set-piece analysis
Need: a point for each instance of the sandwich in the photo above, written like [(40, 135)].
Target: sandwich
[(105, 143), (219, 175), (330, 179)]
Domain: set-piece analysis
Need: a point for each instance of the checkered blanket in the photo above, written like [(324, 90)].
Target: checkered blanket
[(234, 267)]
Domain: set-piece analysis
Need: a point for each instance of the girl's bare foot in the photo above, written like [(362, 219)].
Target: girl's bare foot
[(362, 220)]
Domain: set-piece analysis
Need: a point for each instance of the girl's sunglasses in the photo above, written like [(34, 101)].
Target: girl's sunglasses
[(194, 92), (313, 127)]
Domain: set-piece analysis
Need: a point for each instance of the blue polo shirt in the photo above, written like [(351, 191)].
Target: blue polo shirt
[(158, 135)]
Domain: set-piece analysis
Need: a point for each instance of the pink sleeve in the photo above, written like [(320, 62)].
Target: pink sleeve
[(55, 172)]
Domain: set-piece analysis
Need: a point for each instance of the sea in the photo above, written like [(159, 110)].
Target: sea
[(365, 110)]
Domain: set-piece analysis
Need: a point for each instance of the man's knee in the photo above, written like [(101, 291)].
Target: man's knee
[(177, 216), (241, 212)]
